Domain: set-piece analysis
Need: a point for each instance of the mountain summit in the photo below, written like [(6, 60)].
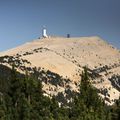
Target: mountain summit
[(67, 57)]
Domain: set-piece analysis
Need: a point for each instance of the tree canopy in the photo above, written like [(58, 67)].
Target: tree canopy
[(24, 100)]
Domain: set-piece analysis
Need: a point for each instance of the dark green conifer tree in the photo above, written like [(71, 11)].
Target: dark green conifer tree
[(115, 110), (88, 105)]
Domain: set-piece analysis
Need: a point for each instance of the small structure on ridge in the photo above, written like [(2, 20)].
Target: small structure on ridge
[(44, 33)]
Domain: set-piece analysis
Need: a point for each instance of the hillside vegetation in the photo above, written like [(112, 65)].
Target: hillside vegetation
[(23, 99)]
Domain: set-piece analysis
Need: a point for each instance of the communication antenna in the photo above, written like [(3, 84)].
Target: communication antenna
[(44, 32)]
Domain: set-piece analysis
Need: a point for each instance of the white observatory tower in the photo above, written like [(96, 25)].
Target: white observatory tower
[(44, 33)]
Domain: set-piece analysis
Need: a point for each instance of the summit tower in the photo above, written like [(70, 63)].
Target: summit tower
[(44, 33)]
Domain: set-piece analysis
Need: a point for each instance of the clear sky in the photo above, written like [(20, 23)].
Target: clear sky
[(22, 20)]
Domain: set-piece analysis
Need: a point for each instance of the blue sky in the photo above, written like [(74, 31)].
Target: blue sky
[(22, 20)]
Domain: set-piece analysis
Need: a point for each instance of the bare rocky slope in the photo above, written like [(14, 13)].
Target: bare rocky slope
[(67, 57)]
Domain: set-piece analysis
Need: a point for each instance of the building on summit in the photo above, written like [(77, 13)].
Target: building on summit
[(44, 33)]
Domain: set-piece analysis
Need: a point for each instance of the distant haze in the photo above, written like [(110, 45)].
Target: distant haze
[(22, 20)]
